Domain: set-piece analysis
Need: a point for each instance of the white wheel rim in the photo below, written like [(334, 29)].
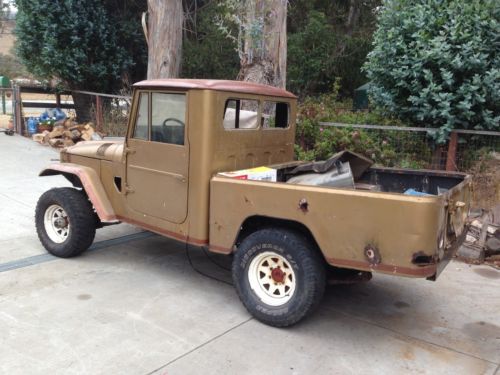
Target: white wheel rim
[(56, 223), (272, 278)]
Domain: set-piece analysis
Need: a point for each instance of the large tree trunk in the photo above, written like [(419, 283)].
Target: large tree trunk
[(84, 107), (353, 16), (165, 20), (263, 56)]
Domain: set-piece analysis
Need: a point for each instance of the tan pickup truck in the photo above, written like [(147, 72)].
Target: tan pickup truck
[(179, 173)]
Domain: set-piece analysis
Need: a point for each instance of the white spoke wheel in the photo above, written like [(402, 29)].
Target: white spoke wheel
[(279, 276), (272, 278), (56, 223), (65, 221)]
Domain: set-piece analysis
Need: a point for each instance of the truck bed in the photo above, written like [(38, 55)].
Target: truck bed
[(380, 230)]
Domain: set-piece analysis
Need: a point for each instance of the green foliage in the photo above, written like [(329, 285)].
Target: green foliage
[(310, 67), (436, 63), (387, 148), (323, 46), (207, 52), (74, 41), (124, 17)]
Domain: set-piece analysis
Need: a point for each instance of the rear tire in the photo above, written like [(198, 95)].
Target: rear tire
[(65, 222), (279, 276)]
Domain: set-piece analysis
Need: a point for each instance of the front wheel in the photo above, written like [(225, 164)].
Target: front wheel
[(279, 276), (65, 222)]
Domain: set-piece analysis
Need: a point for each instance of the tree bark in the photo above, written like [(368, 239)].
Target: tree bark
[(353, 16), (164, 37), (84, 104), (263, 56)]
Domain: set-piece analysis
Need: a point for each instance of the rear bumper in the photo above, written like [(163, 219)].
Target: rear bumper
[(430, 271)]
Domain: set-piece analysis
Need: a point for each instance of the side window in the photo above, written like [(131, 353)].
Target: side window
[(241, 114), (141, 122), (275, 115), (168, 118)]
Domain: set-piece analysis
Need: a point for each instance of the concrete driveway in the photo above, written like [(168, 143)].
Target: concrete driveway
[(134, 305)]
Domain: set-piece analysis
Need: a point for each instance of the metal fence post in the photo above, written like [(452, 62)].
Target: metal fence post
[(16, 110), (3, 103), (98, 114), (451, 162)]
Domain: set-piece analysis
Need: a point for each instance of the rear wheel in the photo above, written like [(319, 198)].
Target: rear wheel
[(279, 276), (65, 222)]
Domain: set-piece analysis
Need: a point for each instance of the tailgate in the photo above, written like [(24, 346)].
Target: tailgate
[(457, 206)]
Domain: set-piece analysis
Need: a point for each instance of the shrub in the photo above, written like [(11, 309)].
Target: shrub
[(384, 147), (73, 41), (436, 63)]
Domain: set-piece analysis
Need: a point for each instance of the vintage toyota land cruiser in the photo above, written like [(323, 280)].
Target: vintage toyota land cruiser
[(175, 174)]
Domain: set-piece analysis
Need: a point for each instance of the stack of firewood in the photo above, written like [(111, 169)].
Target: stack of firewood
[(67, 134)]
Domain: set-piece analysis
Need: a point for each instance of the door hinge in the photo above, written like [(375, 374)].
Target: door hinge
[(128, 190)]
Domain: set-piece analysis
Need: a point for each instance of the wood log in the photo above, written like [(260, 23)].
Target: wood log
[(68, 142), (68, 123), (75, 135), (38, 137), (87, 133), (56, 142), (57, 132)]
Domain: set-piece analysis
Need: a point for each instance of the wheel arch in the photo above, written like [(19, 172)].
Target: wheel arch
[(87, 179), (253, 223)]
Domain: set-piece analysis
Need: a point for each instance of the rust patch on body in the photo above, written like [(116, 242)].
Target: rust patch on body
[(372, 255), (422, 259), (401, 304), (304, 205), (102, 149)]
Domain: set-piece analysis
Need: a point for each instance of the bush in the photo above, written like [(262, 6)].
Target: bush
[(384, 147), (75, 41), (436, 63), (318, 54), (310, 66)]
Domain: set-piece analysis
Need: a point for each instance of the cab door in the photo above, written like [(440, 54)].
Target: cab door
[(158, 156)]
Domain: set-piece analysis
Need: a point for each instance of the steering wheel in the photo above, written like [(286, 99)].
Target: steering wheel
[(174, 120)]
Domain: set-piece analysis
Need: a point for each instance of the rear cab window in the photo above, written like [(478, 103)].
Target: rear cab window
[(241, 114), (244, 114), (275, 115)]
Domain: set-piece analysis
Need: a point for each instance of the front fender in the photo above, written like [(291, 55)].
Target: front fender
[(90, 182)]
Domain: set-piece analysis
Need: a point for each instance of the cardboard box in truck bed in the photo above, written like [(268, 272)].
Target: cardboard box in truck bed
[(256, 174)]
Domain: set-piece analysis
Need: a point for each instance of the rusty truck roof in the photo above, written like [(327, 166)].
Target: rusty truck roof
[(219, 85)]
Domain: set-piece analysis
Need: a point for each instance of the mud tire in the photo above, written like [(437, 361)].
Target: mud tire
[(308, 270), (80, 217)]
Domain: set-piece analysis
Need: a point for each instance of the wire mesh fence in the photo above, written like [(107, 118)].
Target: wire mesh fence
[(474, 147), (409, 147), (109, 113)]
